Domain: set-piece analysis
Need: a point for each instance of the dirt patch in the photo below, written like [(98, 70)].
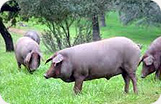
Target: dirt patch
[(17, 31)]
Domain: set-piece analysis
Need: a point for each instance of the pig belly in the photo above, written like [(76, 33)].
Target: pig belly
[(103, 73)]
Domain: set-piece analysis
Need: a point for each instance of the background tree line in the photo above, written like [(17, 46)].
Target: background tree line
[(62, 16)]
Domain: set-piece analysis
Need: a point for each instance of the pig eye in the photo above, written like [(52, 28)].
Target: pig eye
[(145, 65), (57, 64)]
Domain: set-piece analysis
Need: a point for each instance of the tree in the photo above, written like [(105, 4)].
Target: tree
[(96, 28), (6, 36), (92, 9), (103, 20), (59, 15), (11, 6), (142, 12)]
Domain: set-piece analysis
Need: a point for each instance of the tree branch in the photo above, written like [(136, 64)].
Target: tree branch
[(7, 7)]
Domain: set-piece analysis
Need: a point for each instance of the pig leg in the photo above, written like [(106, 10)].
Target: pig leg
[(29, 70), (158, 74), (19, 65), (133, 78), (131, 73), (127, 81), (78, 84)]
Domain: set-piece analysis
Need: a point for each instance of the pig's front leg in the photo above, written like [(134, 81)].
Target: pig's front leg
[(78, 84), (158, 74)]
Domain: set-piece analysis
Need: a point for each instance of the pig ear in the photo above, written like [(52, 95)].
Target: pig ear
[(59, 58), (41, 56), (149, 60), (141, 59), (28, 57), (49, 59)]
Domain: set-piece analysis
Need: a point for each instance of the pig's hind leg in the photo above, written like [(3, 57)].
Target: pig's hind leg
[(131, 72), (126, 80)]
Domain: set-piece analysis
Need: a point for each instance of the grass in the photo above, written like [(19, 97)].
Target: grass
[(20, 87)]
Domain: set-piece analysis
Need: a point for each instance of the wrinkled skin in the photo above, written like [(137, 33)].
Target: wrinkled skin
[(33, 35), (101, 59), (27, 52), (151, 60)]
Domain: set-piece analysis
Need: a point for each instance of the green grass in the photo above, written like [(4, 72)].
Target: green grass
[(20, 87)]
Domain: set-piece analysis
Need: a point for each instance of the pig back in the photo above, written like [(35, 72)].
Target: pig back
[(104, 56), (33, 35), (155, 46), (25, 45)]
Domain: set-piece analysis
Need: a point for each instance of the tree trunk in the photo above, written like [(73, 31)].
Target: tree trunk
[(6, 36), (96, 30), (103, 20)]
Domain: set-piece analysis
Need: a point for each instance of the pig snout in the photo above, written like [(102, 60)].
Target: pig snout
[(46, 76), (33, 68)]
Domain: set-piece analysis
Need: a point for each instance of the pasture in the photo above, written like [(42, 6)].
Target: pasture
[(20, 87)]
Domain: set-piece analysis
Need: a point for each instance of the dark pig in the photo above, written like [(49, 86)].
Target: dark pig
[(101, 59), (27, 52), (152, 59)]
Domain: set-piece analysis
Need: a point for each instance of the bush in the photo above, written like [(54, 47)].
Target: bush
[(59, 36)]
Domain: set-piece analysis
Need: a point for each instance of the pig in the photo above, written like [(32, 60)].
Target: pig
[(28, 53), (100, 59), (152, 60), (33, 35)]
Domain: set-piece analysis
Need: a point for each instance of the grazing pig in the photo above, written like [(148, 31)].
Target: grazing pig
[(152, 59), (33, 35), (27, 53), (101, 59)]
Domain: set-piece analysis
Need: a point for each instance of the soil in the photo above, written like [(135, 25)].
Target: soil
[(17, 31)]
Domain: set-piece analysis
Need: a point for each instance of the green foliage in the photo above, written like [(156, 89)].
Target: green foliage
[(59, 15), (59, 10), (67, 34), (20, 87), (141, 34), (142, 11)]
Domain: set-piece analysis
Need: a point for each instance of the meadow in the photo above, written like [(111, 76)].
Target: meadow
[(20, 87)]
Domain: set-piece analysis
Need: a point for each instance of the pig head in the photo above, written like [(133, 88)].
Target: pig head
[(32, 60), (151, 63), (60, 68)]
